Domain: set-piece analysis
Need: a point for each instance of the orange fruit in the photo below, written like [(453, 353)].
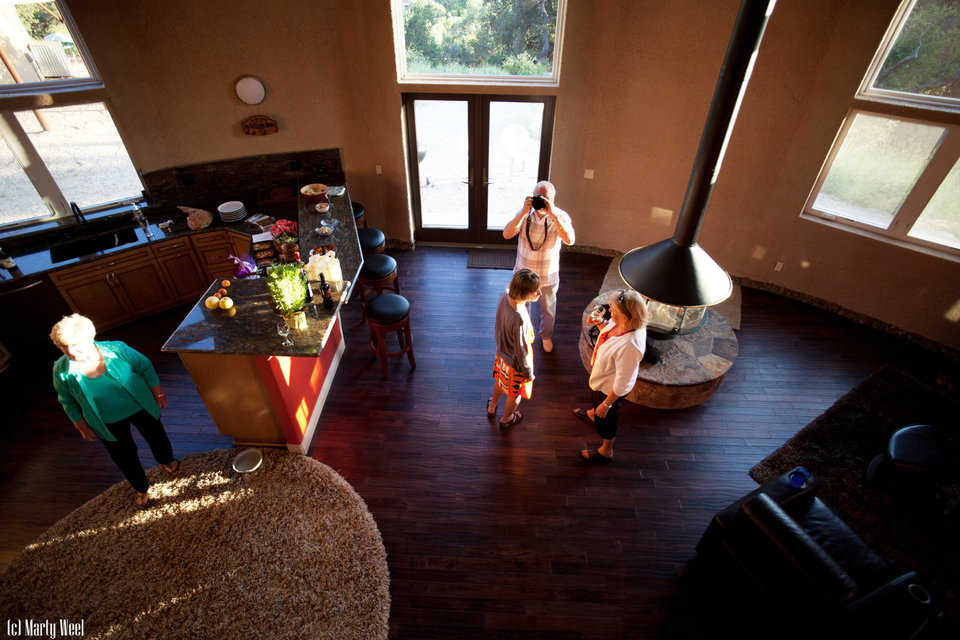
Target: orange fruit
[(225, 283)]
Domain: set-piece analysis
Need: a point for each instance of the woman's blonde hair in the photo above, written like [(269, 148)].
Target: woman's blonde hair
[(632, 305), (72, 329)]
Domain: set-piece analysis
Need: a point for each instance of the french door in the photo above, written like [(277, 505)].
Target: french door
[(473, 159)]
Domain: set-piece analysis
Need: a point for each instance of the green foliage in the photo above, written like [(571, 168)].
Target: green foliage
[(37, 21), (288, 287), (484, 37), (925, 58), (520, 64)]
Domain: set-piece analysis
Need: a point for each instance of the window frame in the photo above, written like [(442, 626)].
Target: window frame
[(940, 112), (405, 78), (866, 91), (59, 86), (50, 94), (44, 182)]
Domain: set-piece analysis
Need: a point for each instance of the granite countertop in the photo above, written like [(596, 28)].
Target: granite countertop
[(37, 258), (344, 235), (250, 327)]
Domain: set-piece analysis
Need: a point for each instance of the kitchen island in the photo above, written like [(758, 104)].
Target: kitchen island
[(257, 390)]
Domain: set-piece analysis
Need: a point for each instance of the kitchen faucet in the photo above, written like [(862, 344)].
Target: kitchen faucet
[(138, 217)]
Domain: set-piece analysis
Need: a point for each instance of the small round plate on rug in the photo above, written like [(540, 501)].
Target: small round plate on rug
[(288, 551)]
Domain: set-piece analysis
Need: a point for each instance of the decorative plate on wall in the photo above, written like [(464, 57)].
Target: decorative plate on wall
[(250, 90)]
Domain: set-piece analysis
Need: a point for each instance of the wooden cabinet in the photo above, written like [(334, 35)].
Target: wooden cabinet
[(239, 243), (181, 269), (133, 283), (213, 249), (114, 289)]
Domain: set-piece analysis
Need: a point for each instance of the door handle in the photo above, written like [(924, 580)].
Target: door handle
[(484, 177), (469, 180)]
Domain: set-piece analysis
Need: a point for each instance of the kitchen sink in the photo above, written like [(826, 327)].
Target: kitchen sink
[(93, 243)]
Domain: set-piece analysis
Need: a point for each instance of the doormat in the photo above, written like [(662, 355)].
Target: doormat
[(491, 259)]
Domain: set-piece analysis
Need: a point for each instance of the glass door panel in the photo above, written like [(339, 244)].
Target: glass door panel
[(443, 163), (513, 158)]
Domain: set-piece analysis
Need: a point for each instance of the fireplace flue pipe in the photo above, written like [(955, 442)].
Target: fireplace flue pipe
[(677, 271)]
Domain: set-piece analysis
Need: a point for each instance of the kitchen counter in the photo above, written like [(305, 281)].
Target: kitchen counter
[(35, 258), (250, 327), (257, 390)]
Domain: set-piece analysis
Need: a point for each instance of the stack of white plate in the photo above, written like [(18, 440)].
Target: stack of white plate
[(232, 211)]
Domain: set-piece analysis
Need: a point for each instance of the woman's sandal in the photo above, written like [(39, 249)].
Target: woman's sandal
[(593, 456), (582, 414), (489, 414), (142, 499), (172, 468), (514, 419)]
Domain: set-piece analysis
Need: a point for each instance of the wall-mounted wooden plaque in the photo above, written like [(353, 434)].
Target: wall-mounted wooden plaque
[(259, 126)]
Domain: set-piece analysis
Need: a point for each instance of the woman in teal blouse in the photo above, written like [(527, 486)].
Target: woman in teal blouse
[(105, 387)]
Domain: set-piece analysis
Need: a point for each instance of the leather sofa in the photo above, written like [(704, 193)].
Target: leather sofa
[(811, 570)]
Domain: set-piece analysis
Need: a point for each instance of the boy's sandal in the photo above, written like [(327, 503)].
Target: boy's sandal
[(594, 457), (172, 468), (582, 414), (514, 419), (489, 414)]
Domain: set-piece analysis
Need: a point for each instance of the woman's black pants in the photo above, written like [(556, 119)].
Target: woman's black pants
[(607, 426), (124, 450)]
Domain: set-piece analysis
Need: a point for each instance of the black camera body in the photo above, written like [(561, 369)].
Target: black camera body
[(538, 203)]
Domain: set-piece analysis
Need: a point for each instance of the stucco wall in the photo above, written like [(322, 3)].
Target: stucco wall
[(637, 80)]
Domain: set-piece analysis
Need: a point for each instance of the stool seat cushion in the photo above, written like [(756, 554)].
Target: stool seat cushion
[(917, 446), (388, 308), (377, 266), (358, 210), (371, 238)]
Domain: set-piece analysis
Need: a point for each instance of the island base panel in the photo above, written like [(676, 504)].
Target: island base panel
[(235, 396)]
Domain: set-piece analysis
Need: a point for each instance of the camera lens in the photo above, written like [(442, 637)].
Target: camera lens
[(538, 203)]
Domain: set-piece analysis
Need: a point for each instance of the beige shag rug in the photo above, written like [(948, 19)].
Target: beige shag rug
[(288, 551)]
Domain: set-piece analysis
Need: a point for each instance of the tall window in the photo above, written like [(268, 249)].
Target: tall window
[(894, 170), (54, 157), (479, 41)]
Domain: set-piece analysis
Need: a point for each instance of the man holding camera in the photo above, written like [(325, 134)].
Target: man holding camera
[(542, 226)]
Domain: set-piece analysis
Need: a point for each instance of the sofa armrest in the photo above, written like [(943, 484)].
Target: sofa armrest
[(809, 559)]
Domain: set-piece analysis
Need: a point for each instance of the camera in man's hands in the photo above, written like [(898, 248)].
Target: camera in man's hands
[(539, 202)]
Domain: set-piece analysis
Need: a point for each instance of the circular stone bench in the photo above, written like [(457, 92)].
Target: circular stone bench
[(691, 366)]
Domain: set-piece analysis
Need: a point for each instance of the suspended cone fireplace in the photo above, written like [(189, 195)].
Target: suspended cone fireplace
[(676, 275)]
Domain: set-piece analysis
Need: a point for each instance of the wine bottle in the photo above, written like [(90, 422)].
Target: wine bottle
[(325, 291)]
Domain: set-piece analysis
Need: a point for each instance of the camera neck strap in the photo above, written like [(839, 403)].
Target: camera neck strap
[(546, 228)]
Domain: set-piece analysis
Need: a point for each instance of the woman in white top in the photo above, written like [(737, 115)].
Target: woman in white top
[(614, 365)]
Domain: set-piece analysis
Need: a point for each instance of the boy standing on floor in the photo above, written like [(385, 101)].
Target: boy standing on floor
[(513, 363)]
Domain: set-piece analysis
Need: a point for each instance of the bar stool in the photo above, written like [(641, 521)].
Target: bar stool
[(359, 214), (371, 240), (386, 313), (379, 272)]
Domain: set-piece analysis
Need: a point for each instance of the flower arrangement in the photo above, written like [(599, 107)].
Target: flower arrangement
[(288, 288)]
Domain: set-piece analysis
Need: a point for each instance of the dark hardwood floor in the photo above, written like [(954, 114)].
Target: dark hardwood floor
[(489, 534)]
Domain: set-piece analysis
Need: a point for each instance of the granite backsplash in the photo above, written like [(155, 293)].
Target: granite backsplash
[(265, 184)]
